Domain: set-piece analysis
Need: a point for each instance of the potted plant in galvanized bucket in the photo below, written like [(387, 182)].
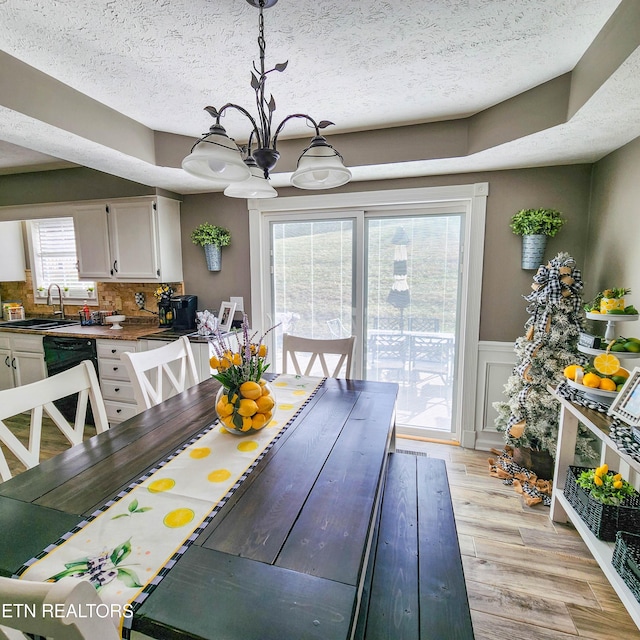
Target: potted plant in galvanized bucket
[(535, 226), (212, 238)]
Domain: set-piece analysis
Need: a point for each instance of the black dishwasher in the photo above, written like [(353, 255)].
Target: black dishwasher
[(62, 353)]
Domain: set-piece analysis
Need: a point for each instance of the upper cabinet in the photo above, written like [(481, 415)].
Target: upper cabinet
[(136, 239), (12, 265)]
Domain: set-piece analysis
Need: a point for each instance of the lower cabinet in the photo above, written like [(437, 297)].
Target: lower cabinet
[(115, 384), (21, 359), (202, 352)]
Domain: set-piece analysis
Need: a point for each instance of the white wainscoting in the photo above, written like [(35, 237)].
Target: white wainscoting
[(496, 361)]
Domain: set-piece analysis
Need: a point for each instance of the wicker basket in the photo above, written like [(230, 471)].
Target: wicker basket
[(604, 520), (626, 560)]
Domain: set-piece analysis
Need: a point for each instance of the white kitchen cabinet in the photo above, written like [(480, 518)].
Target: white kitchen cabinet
[(12, 266), (6, 370), (115, 383), (21, 359), (135, 239), (202, 352)]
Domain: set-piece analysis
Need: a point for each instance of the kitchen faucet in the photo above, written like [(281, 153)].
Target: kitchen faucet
[(50, 301)]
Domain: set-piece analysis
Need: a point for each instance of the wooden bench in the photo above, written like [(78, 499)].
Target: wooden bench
[(415, 588)]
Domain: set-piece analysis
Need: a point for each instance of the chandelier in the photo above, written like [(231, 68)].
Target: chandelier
[(216, 156)]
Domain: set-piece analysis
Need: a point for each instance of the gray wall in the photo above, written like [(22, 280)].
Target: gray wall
[(503, 313), (212, 287), (613, 255), (66, 185), (504, 283)]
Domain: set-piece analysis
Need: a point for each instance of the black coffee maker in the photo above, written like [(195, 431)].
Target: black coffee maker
[(184, 312)]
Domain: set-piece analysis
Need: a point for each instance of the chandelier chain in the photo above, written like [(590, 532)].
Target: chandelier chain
[(260, 101)]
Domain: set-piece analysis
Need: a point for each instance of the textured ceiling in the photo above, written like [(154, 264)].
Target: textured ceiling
[(364, 65)]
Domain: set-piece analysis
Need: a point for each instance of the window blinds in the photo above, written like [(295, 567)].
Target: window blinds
[(55, 260)]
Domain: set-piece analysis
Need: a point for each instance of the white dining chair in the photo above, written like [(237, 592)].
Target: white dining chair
[(27, 603), (160, 373), (332, 355), (38, 399)]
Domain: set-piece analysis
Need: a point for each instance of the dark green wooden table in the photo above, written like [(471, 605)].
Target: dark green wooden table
[(286, 555)]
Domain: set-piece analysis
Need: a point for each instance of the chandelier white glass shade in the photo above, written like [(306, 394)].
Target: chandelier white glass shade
[(256, 186), (217, 157)]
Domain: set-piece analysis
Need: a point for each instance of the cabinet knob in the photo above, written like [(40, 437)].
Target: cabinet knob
[(118, 410), (117, 389), (115, 368), (6, 361), (113, 350), (13, 363)]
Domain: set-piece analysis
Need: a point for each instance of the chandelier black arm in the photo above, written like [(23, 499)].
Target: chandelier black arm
[(265, 119), (243, 111), (316, 125)]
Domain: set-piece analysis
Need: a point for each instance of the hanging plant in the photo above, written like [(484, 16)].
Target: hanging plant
[(529, 222), (535, 226), (212, 238), (207, 233)]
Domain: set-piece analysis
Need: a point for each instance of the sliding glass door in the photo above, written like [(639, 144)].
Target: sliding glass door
[(411, 313), (392, 279), (312, 284)]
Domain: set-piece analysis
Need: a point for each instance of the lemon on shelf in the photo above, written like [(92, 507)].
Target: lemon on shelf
[(571, 371), (606, 363), (591, 380), (607, 384), (621, 373)]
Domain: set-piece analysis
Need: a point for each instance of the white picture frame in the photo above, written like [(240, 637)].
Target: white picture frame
[(225, 316), (626, 405)]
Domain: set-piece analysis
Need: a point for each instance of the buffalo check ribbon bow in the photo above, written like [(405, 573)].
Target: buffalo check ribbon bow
[(555, 282)]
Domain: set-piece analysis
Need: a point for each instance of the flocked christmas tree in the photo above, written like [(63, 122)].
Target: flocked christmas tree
[(529, 418)]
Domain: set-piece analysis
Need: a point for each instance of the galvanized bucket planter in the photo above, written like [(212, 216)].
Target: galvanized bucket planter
[(533, 247), (213, 254)]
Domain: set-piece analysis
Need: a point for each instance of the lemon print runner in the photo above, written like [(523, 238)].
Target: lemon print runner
[(127, 546)]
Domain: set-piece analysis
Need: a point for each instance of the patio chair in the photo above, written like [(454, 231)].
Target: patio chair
[(433, 356), (424, 324), (337, 329), (387, 324), (38, 398), (389, 354), (308, 350), (28, 599), (160, 373)]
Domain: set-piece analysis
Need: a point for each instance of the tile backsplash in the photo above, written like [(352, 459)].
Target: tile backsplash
[(111, 296)]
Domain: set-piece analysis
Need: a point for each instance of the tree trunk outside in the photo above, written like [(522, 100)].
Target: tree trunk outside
[(540, 462)]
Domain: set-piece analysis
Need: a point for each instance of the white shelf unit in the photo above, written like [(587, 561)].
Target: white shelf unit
[(610, 334), (562, 511), (621, 355), (611, 319)]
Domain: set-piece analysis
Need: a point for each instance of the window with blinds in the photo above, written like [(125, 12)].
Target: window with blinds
[(54, 258)]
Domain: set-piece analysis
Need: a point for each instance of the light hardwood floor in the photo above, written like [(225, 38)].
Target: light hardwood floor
[(51, 442), (527, 578)]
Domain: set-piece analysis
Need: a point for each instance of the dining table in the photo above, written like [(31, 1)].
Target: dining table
[(284, 555)]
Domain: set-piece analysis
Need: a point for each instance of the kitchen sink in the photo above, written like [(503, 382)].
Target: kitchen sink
[(38, 323)]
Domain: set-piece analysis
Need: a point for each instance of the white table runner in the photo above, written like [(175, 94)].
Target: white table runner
[(127, 546)]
